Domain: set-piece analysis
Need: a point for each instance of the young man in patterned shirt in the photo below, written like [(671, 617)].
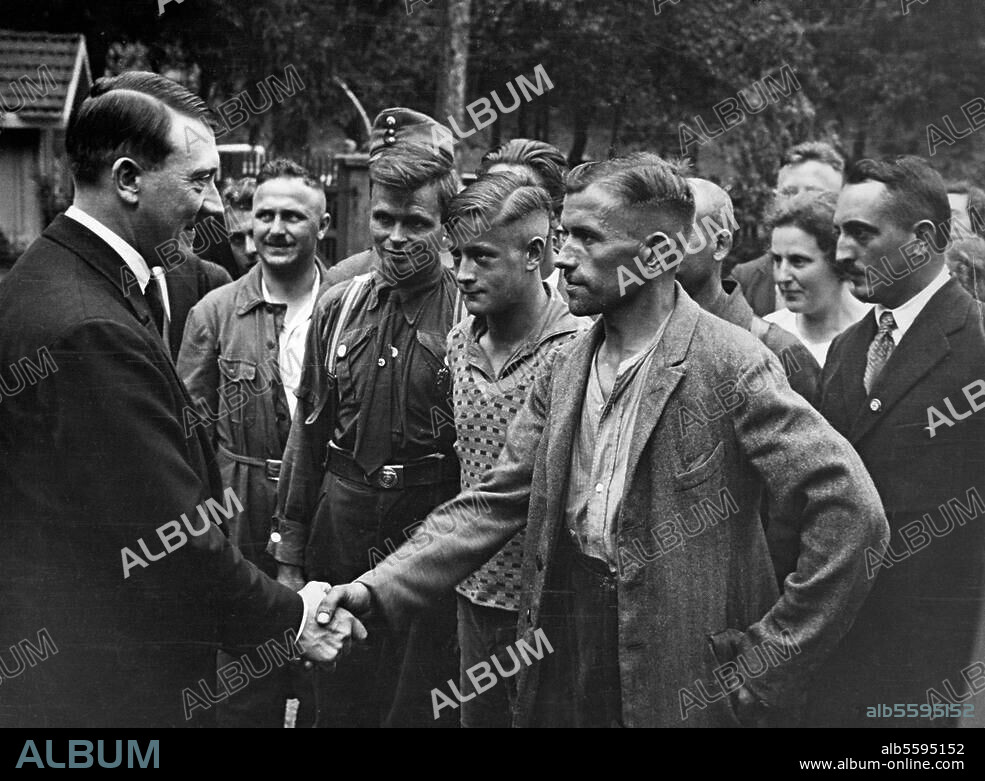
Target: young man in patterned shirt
[(514, 322)]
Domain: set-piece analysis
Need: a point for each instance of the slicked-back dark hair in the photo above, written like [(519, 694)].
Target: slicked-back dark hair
[(916, 192), (817, 151), (545, 160), (283, 168), (127, 116), (499, 199), (641, 180), (812, 211), (410, 166)]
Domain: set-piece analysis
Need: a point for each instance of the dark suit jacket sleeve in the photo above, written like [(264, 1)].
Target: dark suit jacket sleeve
[(213, 276), (822, 491), (128, 459), (198, 368), (464, 533)]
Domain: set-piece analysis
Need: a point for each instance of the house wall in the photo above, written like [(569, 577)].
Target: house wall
[(21, 217)]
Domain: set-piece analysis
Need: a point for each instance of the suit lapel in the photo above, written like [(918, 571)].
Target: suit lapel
[(665, 373), (847, 374), (96, 253), (567, 397), (923, 346)]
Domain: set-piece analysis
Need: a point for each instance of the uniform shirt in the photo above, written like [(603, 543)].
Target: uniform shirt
[(601, 452), (329, 405), (486, 402)]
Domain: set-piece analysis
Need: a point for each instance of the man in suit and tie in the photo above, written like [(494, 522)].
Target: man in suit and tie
[(901, 385), (646, 570), (113, 543)]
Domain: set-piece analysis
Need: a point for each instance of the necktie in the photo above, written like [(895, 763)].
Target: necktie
[(373, 446), (155, 300), (880, 350)]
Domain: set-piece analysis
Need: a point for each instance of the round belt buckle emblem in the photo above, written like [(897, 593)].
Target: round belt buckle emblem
[(388, 477)]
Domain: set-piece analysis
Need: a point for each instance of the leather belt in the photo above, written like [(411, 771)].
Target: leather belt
[(271, 466), (437, 468)]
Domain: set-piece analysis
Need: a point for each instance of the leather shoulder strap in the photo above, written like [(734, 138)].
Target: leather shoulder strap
[(345, 310)]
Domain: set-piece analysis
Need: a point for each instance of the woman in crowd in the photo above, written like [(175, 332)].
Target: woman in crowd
[(818, 303)]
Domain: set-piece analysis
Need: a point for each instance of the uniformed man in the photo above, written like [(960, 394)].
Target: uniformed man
[(368, 456)]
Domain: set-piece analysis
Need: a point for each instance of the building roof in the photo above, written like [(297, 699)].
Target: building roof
[(42, 77)]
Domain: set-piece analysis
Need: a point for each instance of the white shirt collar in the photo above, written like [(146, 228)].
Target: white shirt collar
[(134, 260), (905, 314)]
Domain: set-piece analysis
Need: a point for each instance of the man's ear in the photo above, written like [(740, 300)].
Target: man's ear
[(927, 232), (326, 220), (654, 248), (535, 253), (126, 175), (723, 245)]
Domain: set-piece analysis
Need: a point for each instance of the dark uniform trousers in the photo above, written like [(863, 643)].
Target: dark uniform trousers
[(386, 681)]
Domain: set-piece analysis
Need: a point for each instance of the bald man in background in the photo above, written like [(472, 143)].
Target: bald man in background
[(700, 275)]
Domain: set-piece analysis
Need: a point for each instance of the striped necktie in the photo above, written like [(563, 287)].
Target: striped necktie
[(880, 350)]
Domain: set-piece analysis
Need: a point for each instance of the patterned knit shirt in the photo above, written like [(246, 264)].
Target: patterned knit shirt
[(485, 403)]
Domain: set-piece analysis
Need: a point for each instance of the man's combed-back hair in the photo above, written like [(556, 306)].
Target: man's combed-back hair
[(642, 180), (818, 151), (500, 199), (410, 166), (916, 192), (127, 116), (545, 160), (283, 168), (813, 211)]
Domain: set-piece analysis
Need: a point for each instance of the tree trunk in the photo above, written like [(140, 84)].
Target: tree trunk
[(455, 59), (582, 119)]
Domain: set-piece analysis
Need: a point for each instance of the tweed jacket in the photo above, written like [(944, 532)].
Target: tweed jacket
[(696, 589)]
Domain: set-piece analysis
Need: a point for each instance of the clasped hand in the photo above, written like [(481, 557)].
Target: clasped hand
[(329, 628)]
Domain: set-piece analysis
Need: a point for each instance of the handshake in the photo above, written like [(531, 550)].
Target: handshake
[(330, 625)]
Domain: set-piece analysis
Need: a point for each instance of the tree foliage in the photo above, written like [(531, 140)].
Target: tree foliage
[(872, 77)]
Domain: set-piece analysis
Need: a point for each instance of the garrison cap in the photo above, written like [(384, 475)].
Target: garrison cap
[(394, 125)]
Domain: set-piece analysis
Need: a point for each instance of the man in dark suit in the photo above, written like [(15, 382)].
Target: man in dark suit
[(643, 597), (812, 165), (903, 385), (113, 541)]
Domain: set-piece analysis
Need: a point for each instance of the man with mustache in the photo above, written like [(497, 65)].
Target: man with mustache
[(904, 385), (646, 569), (371, 449), (241, 361), (516, 319)]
